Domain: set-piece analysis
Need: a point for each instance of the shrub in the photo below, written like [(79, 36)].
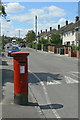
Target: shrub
[(75, 47)]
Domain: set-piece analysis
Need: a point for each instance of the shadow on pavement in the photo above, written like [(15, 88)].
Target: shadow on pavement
[(45, 77), (51, 106), (30, 104), (7, 76)]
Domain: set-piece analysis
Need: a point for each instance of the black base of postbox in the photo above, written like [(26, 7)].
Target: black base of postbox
[(21, 99)]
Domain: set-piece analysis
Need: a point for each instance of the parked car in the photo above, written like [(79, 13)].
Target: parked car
[(13, 49), (22, 45), (9, 46), (19, 45)]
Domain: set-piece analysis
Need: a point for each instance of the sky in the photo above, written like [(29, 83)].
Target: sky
[(50, 14)]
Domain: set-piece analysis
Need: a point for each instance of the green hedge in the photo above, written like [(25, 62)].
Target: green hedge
[(75, 47), (39, 46), (36, 46)]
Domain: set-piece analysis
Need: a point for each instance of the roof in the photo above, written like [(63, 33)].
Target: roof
[(44, 34), (69, 27)]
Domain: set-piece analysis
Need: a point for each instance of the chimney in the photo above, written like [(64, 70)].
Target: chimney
[(66, 22), (41, 31), (76, 18), (38, 33), (58, 27), (50, 28), (46, 30)]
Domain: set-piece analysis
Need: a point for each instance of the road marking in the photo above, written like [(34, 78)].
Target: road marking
[(1, 103), (12, 103), (46, 95), (70, 80), (51, 81), (74, 74)]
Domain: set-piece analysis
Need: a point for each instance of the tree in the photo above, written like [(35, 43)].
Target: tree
[(2, 9), (55, 39), (44, 41), (30, 37)]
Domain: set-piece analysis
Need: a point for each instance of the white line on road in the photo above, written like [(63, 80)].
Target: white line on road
[(46, 95), (70, 80), (1, 103), (51, 81), (74, 74)]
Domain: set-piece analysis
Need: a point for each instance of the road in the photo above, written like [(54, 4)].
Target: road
[(53, 80)]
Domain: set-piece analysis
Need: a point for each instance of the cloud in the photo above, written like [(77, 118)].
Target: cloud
[(42, 1), (9, 30), (22, 34), (5, 26), (53, 11), (42, 13), (62, 21), (46, 17), (22, 18), (53, 24), (14, 8)]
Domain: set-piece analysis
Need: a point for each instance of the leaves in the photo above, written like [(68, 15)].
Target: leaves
[(2, 9), (44, 41), (55, 38), (30, 37)]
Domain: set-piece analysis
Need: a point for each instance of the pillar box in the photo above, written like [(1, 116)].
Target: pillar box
[(20, 77)]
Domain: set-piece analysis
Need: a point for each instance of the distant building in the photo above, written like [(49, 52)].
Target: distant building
[(70, 33), (46, 34)]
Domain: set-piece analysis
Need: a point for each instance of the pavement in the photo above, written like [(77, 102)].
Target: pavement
[(49, 52), (8, 108)]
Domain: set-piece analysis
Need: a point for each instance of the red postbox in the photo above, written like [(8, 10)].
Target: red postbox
[(20, 77)]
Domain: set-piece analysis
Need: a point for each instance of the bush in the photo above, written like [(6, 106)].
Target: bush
[(39, 46), (75, 47), (34, 46)]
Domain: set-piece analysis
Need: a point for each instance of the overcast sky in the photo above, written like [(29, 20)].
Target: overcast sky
[(50, 14)]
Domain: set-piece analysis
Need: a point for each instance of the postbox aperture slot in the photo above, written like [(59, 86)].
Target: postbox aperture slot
[(22, 62)]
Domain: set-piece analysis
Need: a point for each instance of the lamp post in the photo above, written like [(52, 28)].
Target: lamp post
[(3, 42)]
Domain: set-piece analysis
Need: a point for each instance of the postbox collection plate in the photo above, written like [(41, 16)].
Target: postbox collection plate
[(22, 69)]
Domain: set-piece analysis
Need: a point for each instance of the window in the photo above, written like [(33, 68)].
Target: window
[(72, 42), (72, 32), (77, 29), (64, 34)]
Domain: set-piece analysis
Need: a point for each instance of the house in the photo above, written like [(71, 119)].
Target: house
[(71, 33), (46, 34)]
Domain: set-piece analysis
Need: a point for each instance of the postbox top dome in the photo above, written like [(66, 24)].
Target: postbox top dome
[(20, 53)]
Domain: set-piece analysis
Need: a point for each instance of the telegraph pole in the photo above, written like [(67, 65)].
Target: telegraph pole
[(19, 33), (36, 25), (36, 29)]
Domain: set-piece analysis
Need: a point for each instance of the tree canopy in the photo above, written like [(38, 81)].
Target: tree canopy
[(55, 39), (44, 41), (2, 9), (30, 37)]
